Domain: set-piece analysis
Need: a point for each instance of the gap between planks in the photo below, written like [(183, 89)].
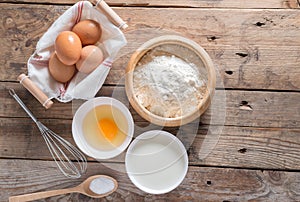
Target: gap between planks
[(218, 88), (230, 4), (90, 160)]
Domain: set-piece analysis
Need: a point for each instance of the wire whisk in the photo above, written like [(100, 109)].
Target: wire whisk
[(63, 152)]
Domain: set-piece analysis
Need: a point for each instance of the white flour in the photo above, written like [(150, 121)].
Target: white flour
[(168, 86)]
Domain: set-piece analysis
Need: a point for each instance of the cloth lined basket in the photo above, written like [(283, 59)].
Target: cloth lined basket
[(81, 86)]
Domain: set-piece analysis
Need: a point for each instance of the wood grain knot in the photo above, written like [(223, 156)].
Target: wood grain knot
[(291, 3), (9, 23), (275, 176)]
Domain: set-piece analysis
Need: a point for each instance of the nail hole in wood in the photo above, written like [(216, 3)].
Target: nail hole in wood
[(242, 55), (244, 103), (259, 24), (212, 38), (245, 106), (229, 72), (208, 182), (244, 150), (28, 43)]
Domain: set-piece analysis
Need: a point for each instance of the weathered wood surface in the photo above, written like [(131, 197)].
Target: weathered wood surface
[(252, 49), (184, 3), (241, 108), (255, 47), (265, 148), (200, 184)]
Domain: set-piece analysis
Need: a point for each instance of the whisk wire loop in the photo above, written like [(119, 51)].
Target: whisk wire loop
[(58, 147), (60, 158), (55, 144)]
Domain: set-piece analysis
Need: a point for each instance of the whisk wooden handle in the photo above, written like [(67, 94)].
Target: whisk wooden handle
[(41, 195), (35, 91)]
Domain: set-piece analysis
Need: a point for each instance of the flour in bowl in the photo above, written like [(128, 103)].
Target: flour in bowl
[(168, 86)]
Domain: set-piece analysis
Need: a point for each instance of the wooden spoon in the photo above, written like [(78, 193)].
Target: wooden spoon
[(83, 188)]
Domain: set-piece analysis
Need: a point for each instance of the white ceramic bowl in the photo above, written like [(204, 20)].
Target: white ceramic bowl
[(77, 128), (156, 162)]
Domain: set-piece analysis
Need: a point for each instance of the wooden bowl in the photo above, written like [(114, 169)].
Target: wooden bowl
[(180, 47)]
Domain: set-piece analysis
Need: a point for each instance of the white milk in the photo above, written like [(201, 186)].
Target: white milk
[(156, 164)]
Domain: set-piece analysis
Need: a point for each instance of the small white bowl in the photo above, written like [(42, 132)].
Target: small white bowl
[(156, 162), (77, 128)]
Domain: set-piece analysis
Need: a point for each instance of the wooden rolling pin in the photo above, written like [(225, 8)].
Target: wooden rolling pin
[(110, 13), (35, 91)]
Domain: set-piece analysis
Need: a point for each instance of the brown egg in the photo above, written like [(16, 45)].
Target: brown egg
[(89, 31), (59, 71), (91, 57), (68, 47)]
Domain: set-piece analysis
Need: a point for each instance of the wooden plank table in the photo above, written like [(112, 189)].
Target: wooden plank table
[(255, 151)]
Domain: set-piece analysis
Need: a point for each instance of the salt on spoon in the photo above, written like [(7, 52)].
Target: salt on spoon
[(102, 185), (96, 186)]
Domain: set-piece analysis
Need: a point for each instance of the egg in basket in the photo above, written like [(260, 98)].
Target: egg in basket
[(73, 58)]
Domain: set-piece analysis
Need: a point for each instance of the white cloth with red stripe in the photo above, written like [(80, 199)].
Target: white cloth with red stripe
[(82, 86)]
